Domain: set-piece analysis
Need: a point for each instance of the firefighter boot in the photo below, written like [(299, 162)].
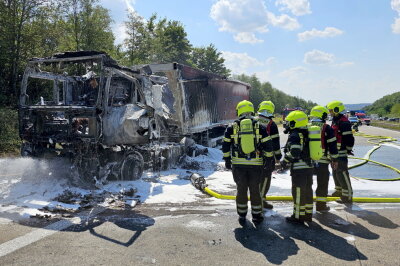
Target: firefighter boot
[(257, 219), (242, 220), (308, 218), (266, 205), (294, 220), (322, 207)]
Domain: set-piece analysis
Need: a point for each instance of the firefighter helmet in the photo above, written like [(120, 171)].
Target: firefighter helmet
[(266, 108), (297, 119), (336, 107), (320, 112), (244, 107)]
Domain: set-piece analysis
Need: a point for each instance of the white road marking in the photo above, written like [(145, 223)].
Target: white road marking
[(25, 240), (36, 235)]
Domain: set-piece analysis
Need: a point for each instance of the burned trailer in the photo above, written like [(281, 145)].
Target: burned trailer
[(204, 103), (114, 121)]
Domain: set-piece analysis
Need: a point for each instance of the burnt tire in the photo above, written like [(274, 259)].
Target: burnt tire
[(132, 166)]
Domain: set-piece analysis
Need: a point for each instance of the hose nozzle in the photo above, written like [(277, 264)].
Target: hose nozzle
[(198, 181)]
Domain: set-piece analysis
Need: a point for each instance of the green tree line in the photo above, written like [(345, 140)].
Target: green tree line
[(387, 105), (40, 28), (262, 91)]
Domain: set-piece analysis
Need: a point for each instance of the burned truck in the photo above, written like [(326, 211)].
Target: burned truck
[(114, 121)]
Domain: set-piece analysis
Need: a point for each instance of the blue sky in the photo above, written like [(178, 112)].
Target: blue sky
[(320, 50)]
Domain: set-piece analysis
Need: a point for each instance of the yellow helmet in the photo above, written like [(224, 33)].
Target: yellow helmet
[(244, 107), (320, 112), (266, 108), (297, 119), (336, 106)]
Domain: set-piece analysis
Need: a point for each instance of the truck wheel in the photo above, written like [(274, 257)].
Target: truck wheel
[(132, 166)]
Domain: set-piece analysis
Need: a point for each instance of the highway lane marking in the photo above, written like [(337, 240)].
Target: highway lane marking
[(36, 235)]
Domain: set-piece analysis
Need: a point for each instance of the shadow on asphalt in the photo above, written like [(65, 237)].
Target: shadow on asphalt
[(338, 223), (276, 241), (137, 224), (275, 247), (373, 218)]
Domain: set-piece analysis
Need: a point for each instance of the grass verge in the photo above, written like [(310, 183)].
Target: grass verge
[(386, 124)]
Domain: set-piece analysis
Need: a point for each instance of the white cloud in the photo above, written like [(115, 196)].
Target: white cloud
[(240, 15), (297, 7), (270, 60), (314, 33), (318, 58), (396, 26), (240, 62), (246, 18), (344, 64), (247, 37), (120, 33), (293, 72), (283, 21), (396, 5), (264, 75)]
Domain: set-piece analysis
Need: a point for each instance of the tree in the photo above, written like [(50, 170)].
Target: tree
[(87, 26), (265, 91), (209, 59), (15, 16), (395, 110), (137, 43), (384, 105), (171, 43)]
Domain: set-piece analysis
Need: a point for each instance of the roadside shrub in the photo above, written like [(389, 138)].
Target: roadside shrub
[(9, 138)]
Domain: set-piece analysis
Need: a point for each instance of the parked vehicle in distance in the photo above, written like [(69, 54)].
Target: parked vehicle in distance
[(363, 118)]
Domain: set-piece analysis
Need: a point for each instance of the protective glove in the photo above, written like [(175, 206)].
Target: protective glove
[(278, 157), (228, 164), (283, 167), (350, 152)]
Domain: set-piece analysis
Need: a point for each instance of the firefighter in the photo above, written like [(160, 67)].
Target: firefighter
[(318, 117), (345, 142), (297, 156), (265, 114), (245, 148)]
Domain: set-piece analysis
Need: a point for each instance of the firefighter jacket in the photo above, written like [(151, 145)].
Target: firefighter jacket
[(272, 130), (328, 141), (297, 152), (232, 151), (344, 134)]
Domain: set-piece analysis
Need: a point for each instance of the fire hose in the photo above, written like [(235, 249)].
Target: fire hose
[(199, 181)]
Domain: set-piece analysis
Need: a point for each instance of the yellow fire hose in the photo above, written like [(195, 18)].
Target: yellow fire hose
[(290, 198), (199, 182)]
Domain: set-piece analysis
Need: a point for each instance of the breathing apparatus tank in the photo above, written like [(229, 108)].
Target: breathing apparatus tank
[(314, 143)]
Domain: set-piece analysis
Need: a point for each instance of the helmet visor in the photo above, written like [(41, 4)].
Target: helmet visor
[(265, 113)]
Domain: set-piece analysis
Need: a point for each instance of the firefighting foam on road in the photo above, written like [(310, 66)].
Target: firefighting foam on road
[(34, 187)]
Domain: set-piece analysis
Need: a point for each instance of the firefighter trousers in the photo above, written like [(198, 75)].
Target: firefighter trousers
[(322, 171), (247, 178), (302, 193), (265, 183), (341, 174)]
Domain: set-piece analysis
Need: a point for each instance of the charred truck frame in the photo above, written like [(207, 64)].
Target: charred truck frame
[(114, 121)]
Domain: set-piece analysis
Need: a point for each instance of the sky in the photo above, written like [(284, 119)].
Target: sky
[(319, 50)]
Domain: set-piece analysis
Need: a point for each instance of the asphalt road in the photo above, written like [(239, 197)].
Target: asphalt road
[(193, 234)]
